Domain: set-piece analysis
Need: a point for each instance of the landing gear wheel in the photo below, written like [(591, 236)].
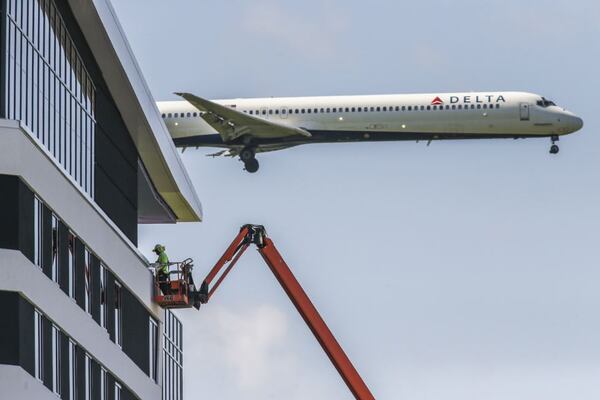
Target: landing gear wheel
[(554, 149), (246, 154), (251, 165)]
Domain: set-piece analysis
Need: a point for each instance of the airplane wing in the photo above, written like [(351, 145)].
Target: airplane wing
[(232, 124)]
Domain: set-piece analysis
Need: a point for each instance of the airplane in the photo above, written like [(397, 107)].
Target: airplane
[(245, 127)]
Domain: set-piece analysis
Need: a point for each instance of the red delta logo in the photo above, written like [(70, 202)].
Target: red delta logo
[(437, 101)]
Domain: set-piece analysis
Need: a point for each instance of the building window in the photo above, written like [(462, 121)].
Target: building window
[(153, 350), (88, 377), (38, 350), (118, 316), (103, 296), (48, 87), (72, 370), (38, 212), (172, 372), (71, 265), (88, 281), (56, 361)]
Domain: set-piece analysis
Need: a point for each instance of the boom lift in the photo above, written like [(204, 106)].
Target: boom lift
[(185, 295)]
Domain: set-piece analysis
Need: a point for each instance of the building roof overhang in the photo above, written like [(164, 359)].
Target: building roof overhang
[(165, 192)]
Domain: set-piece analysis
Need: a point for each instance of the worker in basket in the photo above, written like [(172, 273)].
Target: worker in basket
[(161, 266)]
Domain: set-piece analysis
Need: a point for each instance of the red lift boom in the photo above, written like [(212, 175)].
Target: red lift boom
[(255, 234)]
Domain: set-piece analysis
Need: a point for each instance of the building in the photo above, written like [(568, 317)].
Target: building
[(84, 159)]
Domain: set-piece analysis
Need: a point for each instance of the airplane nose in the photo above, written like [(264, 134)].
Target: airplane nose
[(575, 124)]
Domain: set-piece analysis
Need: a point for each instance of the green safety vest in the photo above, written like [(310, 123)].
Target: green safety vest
[(163, 263)]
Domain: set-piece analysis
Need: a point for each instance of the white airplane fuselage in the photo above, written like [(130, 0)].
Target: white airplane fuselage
[(381, 118)]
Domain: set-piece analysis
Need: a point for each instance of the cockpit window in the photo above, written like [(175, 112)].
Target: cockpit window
[(544, 102)]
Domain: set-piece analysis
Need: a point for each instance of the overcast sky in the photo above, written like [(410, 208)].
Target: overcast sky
[(465, 270)]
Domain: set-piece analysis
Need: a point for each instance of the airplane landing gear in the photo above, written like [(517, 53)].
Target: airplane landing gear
[(248, 157), (251, 165), (554, 148)]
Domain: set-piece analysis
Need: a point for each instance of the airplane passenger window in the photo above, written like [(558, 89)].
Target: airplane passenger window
[(447, 107), (195, 115), (485, 106), (372, 109), (478, 106), (296, 111), (454, 106), (334, 109), (497, 105), (460, 106), (472, 106), (251, 112), (271, 112), (322, 110), (316, 110), (303, 111), (428, 107), (397, 108), (359, 109), (276, 111), (384, 108), (308, 110), (329, 110), (422, 108)]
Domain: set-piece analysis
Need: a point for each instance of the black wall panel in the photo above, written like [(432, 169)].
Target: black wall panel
[(47, 241), (26, 336), (63, 257), (114, 204), (9, 206), (96, 289), (9, 332), (136, 340), (26, 221), (80, 273)]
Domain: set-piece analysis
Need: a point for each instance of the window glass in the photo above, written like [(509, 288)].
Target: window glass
[(485, 106), (71, 265), (153, 348), (478, 106), (384, 108), (103, 308), (56, 362), (378, 108), (422, 108), (170, 115), (460, 106), (38, 211), (195, 115), (163, 115), (315, 110), (118, 316), (72, 370), (38, 343), (55, 247), (497, 105), (189, 115), (397, 108), (322, 110), (88, 281), (303, 111), (270, 112), (277, 112), (88, 377), (328, 110)]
